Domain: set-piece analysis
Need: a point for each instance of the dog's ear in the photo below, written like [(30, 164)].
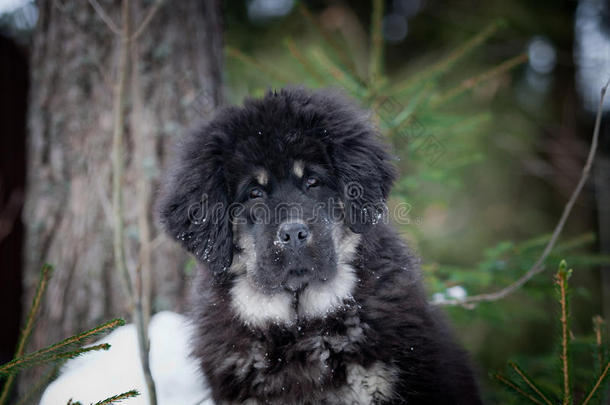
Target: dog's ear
[(365, 177), (364, 170), (194, 205)]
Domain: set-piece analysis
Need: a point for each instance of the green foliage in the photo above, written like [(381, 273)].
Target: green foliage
[(505, 262), (45, 275), (55, 351), (113, 399), (118, 398), (530, 391), (55, 354)]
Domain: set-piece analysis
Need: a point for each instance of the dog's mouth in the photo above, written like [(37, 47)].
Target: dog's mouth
[(297, 280)]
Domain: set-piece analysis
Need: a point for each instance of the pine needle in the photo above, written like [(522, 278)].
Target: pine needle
[(337, 74), (248, 60), (561, 279), (118, 398), (376, 56), (44, 354), (483, 77), (530, 382), (513, 386), (75, 353), (405, 116), (294, 51), (45, 275), (338, 49), (598, 383), (53, 357), (442, 66)]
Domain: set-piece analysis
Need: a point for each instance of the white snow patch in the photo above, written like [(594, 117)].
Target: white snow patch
[(457, 292), (438, 298), (98, 375), (8, 6)]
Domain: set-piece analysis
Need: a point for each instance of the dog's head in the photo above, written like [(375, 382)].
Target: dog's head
[(279, 190)]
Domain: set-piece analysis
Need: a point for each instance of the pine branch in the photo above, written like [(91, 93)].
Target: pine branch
[(578, 241), (442, 66), (53, 349), (118, 398), (376, 56), (338, 75), (343, 57), (45, 275), (405, 117), (242, 57), (598, 383), (414, 102), (514, 387), (530, 382), (294, 51), (30, 320), (75, 353), (28, 362), (469, 302), (561, 279), (473, 81)]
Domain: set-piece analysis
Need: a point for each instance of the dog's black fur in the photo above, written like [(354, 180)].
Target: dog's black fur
[(384, 343)]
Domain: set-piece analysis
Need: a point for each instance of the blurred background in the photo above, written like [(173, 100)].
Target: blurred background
[(489, 108)]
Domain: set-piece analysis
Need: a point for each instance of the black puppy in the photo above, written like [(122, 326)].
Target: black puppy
[(307, 295)]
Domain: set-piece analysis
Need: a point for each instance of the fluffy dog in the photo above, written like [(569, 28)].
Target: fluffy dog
[(306, 294)]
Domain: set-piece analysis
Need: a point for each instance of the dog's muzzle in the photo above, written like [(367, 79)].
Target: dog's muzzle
[(293, 238)]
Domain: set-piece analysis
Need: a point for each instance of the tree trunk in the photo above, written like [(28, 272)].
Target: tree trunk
[(175, 81)]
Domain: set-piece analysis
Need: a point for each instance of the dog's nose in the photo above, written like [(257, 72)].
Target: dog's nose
[(293, 234)]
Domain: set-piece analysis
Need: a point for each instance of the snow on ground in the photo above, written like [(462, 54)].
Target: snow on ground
[(97, 375)]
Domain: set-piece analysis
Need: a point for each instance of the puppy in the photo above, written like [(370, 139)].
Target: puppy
[(305, 295)]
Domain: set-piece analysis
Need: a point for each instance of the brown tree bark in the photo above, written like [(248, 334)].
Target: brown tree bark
[(175, 81)]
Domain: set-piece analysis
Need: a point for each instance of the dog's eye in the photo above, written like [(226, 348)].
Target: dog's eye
[(256, 193), (311, 182)]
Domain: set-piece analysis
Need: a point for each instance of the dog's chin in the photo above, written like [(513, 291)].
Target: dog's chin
[(295, 280), (295, 287)]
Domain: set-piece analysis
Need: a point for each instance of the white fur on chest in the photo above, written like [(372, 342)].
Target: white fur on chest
[(373, 385), (364, 386), (256, 308)]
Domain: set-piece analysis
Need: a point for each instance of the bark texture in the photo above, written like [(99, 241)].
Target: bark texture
[(175, 81)]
